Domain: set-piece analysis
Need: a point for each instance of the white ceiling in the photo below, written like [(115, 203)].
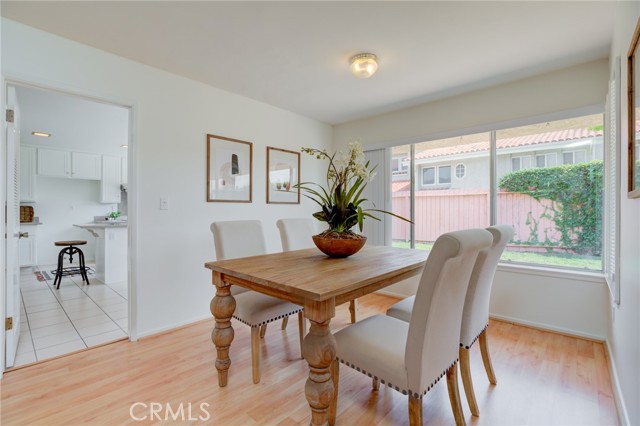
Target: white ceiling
[(295, 55)]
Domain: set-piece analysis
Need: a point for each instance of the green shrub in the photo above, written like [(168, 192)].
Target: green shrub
[(576, 193)]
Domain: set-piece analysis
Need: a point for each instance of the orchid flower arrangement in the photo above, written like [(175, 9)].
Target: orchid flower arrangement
[(341, 200)]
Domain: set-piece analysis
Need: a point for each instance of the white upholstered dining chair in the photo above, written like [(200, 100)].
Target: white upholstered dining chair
[(296, 234), (243, 238), (475, 316), (411, 357)]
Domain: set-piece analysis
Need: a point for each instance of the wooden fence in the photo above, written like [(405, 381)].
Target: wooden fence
[(443, 211)]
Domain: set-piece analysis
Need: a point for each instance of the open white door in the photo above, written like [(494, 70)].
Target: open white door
[(12, 263)]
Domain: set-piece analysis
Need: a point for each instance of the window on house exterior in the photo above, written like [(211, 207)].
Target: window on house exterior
[(398, 167), (546, 160), (444, 174), (520, 163), (574, 157), (429, 176), (553, 226), (461, 171)]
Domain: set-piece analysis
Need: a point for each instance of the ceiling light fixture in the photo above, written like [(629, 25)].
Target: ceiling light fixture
[(124, 146), (364, 65), (43, 134)]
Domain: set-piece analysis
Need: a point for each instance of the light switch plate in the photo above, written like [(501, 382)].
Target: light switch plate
[(164, 203)]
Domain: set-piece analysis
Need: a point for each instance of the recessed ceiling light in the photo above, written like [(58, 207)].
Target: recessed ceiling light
[(43, 134), (124, 146), (364, 65)]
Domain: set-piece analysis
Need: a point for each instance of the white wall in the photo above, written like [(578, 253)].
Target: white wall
[(61, 203), (571, 303), (172, 116), (496, 107), (624, 328)]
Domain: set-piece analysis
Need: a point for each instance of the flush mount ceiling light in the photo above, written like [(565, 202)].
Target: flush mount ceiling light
[(124, 146), (43, 134), (364, 65)]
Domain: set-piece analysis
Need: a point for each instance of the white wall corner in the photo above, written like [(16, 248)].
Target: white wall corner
[(623, 415)]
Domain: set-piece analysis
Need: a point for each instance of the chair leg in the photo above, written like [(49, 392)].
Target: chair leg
[(333, 406), (486, 359), (285, 321), (375, 384), (83, 268), (467, 383), (263, 330), (353, 308), (415, 411), (454, 395), (255, 354), (302, 330)]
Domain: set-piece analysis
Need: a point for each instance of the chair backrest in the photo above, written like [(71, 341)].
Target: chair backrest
[(434, 337), (296, 233), (475, 315), (238, 238)]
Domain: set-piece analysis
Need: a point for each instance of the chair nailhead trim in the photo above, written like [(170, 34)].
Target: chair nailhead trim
[(404, 391), (474, 340), (268, 321)]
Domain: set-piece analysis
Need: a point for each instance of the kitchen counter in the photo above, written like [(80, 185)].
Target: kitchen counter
[(111, 249)]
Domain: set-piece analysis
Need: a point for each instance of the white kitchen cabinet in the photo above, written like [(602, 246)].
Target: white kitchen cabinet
[(111, 177), (27, 174), (70, 164), (86, 166), (28, 253), (54, 162)]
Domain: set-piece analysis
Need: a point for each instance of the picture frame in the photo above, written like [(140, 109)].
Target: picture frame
[(283, 174), (633, 114), (229, 170)]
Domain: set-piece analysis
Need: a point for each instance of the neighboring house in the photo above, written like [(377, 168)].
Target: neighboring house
[(466, 166)]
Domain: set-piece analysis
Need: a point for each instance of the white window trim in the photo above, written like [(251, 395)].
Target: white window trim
[(464, 171), (435, 176), (573, 155), (520, 158)]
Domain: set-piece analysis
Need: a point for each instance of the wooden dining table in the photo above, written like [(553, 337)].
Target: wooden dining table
[(317, 283)]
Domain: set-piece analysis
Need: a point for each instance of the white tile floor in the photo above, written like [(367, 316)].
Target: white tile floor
[(54, 322)]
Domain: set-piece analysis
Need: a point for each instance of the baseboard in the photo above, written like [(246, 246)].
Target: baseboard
[(547, 327), (174, 326), (623, 415)]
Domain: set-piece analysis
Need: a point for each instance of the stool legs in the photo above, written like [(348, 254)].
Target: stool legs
[(71, 250)]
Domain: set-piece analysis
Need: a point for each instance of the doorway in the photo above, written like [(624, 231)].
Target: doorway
[(68, 170)]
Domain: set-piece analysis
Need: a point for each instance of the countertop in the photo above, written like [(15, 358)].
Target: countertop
[(105, 224)]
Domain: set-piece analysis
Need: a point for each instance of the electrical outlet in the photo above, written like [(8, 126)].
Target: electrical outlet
[(164, 203)]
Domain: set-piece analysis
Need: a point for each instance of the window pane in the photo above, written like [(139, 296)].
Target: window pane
[(461, 203), (460, 171), (580, 156), (428, 176), (555, 210), (400, 201), (515, 164), (444, 174), (567, 158)]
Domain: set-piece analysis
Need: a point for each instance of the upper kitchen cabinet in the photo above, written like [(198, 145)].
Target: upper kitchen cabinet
[(111, 179), (27, 174), (54, 162), (76, 165)]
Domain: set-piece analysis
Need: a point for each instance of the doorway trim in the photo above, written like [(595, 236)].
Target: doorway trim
[(132, 192)]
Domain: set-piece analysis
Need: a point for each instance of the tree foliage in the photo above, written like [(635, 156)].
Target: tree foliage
[(576, 193)]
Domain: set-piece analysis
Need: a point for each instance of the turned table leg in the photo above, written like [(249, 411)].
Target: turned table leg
[(319, 349), (222, 307)]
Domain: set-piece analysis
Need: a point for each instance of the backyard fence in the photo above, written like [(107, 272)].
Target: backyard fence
[(443, 211)]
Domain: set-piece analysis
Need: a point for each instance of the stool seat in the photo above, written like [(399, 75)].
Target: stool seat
[(70, 243)]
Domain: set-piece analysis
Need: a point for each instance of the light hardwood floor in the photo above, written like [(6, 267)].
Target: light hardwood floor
[(543, 379)]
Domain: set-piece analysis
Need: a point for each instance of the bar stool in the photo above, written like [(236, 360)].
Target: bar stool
[(70, 249)]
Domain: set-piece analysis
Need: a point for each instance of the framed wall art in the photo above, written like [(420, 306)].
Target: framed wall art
[(634, 115), (283, 174), (229, 164)]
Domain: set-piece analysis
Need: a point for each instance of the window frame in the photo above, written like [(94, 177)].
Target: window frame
[(435, 175), (438, 175), (464, 171)]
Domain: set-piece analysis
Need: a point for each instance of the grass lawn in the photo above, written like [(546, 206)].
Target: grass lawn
[(543, 259)]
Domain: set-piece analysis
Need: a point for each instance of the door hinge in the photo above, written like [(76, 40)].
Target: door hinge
[(8, 323), (9, 116)]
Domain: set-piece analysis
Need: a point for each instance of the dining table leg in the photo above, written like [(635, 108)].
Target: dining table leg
[(222, 307), (319, 350)]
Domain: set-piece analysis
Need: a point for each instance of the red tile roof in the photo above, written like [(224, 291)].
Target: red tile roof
[(541, 138)]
